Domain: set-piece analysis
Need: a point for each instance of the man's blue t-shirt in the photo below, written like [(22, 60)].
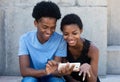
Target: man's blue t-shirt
[(40, 53)]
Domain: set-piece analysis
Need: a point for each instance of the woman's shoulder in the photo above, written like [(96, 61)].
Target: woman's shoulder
[(93, 50), (92, 46)]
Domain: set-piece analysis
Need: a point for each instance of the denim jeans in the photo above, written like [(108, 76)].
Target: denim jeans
[(43, 79)]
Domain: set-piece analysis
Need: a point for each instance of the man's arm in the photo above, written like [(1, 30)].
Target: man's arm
[(25, 69)]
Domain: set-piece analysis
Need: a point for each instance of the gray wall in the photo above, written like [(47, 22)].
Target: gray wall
[(2, 43), (113, 23), (113, 50), (16, 19)]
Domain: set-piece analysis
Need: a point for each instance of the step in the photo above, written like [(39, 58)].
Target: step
[(113, 60), (10, 78), (108, 78)]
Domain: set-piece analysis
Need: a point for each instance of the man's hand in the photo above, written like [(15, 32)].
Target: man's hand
[(51, 67)]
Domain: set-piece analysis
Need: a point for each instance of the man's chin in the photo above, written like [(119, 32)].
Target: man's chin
[(47, 38)]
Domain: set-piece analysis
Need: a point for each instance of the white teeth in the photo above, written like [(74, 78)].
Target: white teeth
[(47, 35), (71, 42)]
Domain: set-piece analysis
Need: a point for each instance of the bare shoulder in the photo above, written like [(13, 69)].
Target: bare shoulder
[(93, 47), (93, 50)]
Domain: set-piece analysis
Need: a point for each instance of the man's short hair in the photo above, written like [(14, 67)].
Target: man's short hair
[(46, 9)]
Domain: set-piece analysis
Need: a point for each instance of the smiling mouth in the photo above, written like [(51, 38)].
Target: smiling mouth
[(71, 42), (47, 36)]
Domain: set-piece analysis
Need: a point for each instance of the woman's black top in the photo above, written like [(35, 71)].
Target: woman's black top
[(82, 59)]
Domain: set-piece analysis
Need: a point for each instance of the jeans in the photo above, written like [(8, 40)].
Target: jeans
[(43, 79)]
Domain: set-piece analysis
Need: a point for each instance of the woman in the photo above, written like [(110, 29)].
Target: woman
[(79, 50)]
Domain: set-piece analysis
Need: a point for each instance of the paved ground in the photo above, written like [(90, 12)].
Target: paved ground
[(111, 78), (10, 79), (108, 78)]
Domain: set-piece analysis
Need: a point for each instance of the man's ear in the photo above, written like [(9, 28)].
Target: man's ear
[(81, 30), (35, 23)]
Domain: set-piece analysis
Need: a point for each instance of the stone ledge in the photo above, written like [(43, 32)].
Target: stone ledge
[(110, 78), (113, 60), (113, 48), (107, 78), (10, 78)]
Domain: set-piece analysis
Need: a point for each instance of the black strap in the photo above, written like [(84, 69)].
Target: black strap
[(86, 47)]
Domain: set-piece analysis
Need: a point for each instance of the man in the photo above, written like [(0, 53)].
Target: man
[(39, 46)]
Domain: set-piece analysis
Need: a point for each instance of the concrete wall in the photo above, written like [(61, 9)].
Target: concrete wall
[(113, 22), (2, 43), (113, 55), (18, 20)]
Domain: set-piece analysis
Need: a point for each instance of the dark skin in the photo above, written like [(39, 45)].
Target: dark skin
[(45, 28), (72, 34)]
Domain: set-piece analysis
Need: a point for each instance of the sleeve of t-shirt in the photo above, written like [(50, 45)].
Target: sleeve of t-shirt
[(22, 47), (61, 51)]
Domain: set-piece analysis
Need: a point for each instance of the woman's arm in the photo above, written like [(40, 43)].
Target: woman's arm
[(94, 55), (25, 69)]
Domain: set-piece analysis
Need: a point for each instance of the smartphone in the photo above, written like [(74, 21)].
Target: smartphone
[(76, 68)]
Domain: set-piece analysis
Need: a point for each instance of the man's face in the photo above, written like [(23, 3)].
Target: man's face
[(45, 28)]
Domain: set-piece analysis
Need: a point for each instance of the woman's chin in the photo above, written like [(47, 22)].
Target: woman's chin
[(72, 44)]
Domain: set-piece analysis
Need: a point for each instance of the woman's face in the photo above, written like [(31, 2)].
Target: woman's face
[(72, 34)]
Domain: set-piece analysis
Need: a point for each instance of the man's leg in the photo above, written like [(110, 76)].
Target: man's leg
[(29, 79), (56, 79)]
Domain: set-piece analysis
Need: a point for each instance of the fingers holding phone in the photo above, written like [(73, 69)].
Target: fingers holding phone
[(67, 68), (51, 67)]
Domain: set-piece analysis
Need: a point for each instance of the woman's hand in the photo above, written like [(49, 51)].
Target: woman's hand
[(85, 70), (51, 67)]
